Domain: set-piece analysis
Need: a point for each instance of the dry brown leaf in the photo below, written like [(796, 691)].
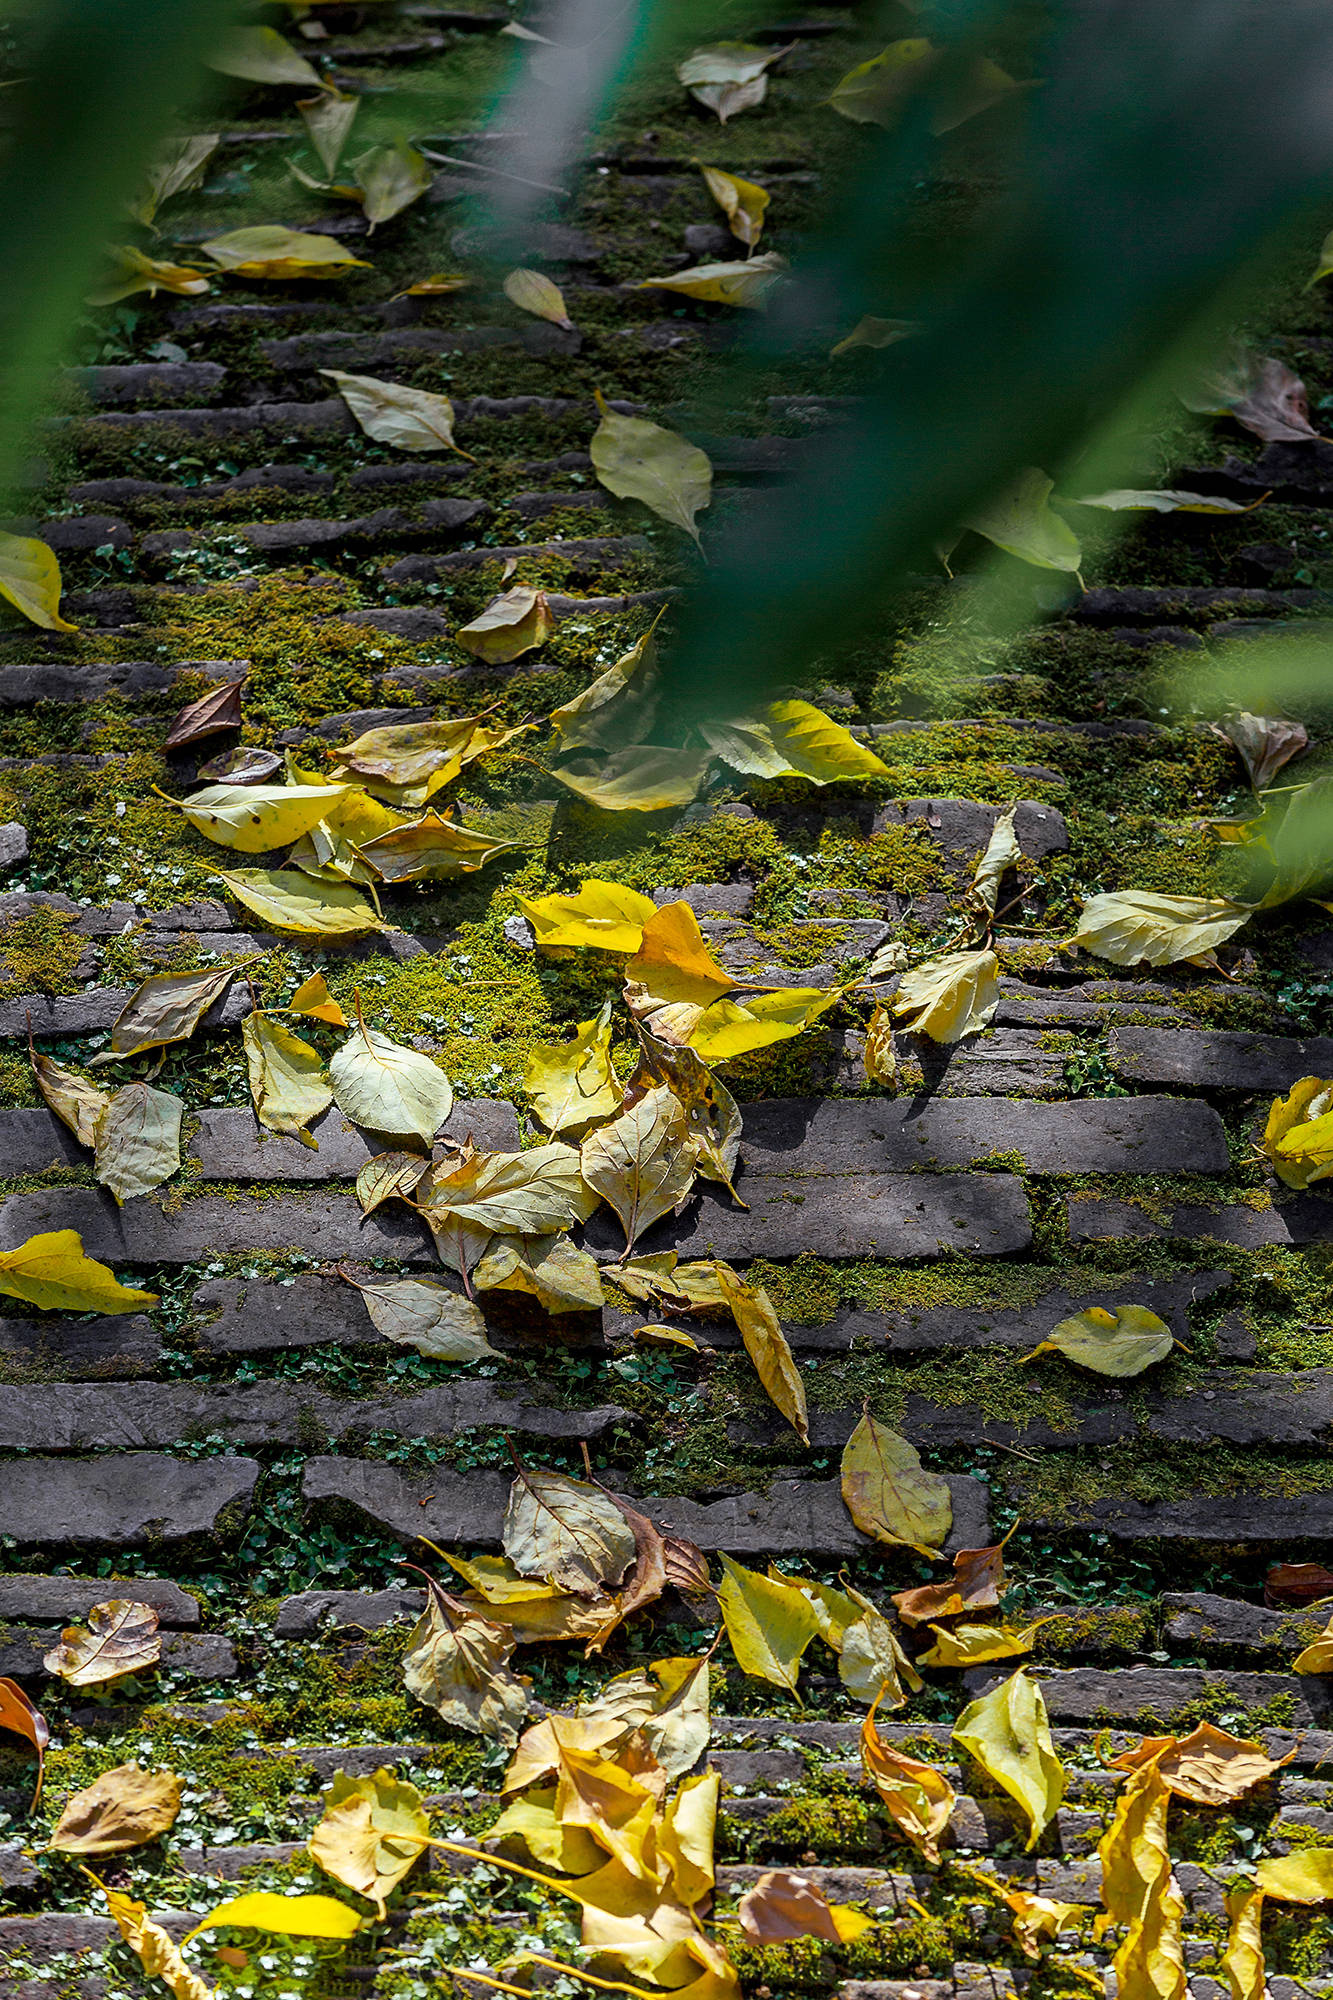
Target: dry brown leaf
[(567, 1531), (121, 1638), (1208, 1767), (977, 1584), (783, 1905), (123, 1809), (645, 1582), (457, 1663), (1264, 743), (918, 1797), (18, 1715), (211, 713), (1297, 1584)]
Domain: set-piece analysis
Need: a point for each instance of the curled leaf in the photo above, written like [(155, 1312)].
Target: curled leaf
[(1008, 1733), (371, 1831), (22, 1718), (950, 997), (783, 1904), (213, 712), (286, 1916), (976, 1585), (571, 1084), (457, 1663), (387, 1176), (314, 999), (918, 1797), (602, 915), (121, 1638), (287, 1079), (510, 626), (132, 272), (76, 1102), (1298, 1135), (159, 1955), (1264, 743), (767, 1347), (742, 202)]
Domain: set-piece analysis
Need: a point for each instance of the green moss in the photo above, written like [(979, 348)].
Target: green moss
[(39, 953)]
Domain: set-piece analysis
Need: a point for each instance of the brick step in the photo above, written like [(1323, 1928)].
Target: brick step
[(234, 1316), (136, 1499), (1288, 1219), (386, 529), (141, 1416), (837, 1216)]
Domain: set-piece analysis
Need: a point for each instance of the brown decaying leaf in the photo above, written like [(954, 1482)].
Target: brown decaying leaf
[(645, 1582), (1264, 743), (123, 1809), (686, 1566), (569, 1532), (211, 713), (977, 1584), (1275, 407), (783, 1905), (1208, 1767), (122, 1638), (457, 1662), (18, 1714), (1297, 1584), (918, 1797)]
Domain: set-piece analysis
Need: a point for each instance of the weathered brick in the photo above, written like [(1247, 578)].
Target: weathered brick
[(232, 1146), (305, 1616), (793, 1516), (891, 1215), (1089, 1694), (1260, 1520), (144, 1415), (56, 1600), (1204, 1623), (1292, 1219), (1126, 1135), (202, 1656), (125, 1500), (916, 1328), (106, 1346), (1217, 1059)]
